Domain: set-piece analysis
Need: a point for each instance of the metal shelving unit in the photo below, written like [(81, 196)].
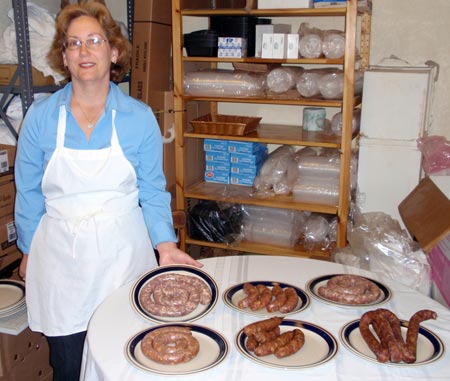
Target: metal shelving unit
[(22, 82)]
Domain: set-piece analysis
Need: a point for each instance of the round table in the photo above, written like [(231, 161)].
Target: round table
[(115, 322)]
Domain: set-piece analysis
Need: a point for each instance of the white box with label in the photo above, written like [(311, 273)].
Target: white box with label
[(282, 4), (260, 29)]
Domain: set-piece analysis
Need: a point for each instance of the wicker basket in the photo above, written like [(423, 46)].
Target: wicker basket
[(218, 124)]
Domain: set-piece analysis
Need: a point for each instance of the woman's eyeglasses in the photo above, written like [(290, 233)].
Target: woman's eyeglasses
[(91, 43)]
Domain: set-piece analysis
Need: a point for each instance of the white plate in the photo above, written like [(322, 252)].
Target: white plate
[(314, 284), (213, 350), (234, 294), (320, 346), (430, 347), (12, 294), (199, 312)]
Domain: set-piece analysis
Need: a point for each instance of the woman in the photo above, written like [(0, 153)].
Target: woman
[(91, 201)]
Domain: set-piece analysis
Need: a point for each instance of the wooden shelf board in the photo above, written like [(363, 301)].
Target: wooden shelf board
[(298, 12), (257, 248), (245, 195), (309, 61), (290, 99), (279, 134)]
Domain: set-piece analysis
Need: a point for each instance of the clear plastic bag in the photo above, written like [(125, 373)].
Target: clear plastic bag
[(333, 44), (377, 243), (272, 176), (310, 41)]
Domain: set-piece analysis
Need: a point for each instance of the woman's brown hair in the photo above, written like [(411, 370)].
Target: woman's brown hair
[(112, 30)]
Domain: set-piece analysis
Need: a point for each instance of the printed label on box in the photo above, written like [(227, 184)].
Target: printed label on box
[(217, 177), (222, 166), (245, 147), (4, 164), (217, 156), (244, 158), (215, 145)]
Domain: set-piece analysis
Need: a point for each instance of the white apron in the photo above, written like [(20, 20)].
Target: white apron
[(91, 240)]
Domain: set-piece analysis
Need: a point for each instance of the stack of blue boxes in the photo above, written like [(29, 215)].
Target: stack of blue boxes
[(233, 162)]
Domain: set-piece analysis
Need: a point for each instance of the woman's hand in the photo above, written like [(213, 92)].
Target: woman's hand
[(23, 266), (170, 254)]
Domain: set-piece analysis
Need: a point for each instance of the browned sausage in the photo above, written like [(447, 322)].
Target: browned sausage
[(293, 346), (269, 347), (413, 332), (291, 300), (280, 298), (263, 325), (381, 352)]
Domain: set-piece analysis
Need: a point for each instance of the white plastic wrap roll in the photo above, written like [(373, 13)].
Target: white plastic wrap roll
[(223, 83), (310, 45), (322, 167), (316, 228), (317, 191), (336, 121), (308, 83), (331, 86), (282, 79), (333, 44)]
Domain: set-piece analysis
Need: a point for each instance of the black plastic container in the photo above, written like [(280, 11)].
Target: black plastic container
[(201, 43)]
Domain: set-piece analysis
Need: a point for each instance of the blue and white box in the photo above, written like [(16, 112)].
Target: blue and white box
[(242, 179), (235, 146), (221, 166), (246, 158), (217, 156), (235, 47), (245, 169), (215, 145), (217, 177)]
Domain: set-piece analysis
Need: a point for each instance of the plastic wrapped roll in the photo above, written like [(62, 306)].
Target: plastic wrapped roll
[(316, 228), (272, 176), (336, 121), (282, 79), (223, 83), (266, 232), (316, 191), (333, 44), (322, 167), (310, 45), (308, 83), (331, 85)]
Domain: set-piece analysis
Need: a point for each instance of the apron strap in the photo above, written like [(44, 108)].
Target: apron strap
[(61, 132)]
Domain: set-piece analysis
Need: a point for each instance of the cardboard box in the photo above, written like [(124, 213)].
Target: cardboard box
[(426, 214), (7, 73), (7, 158), (8, 234), (24, 357), (151, 60), (153, 10), (7, 194)]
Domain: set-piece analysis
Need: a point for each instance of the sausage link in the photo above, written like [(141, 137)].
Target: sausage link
[(413, 333), (293, 346)]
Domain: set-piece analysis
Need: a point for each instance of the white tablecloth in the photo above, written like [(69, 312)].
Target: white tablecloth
[(115, 322)]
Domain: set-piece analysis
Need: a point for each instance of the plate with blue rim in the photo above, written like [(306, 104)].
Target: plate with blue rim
[(430, 347), (234, 294), (213, 350), (196, 314), (313, 286), (320, 347)]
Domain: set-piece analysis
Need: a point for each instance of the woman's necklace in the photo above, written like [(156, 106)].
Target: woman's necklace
[(91, 122)]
